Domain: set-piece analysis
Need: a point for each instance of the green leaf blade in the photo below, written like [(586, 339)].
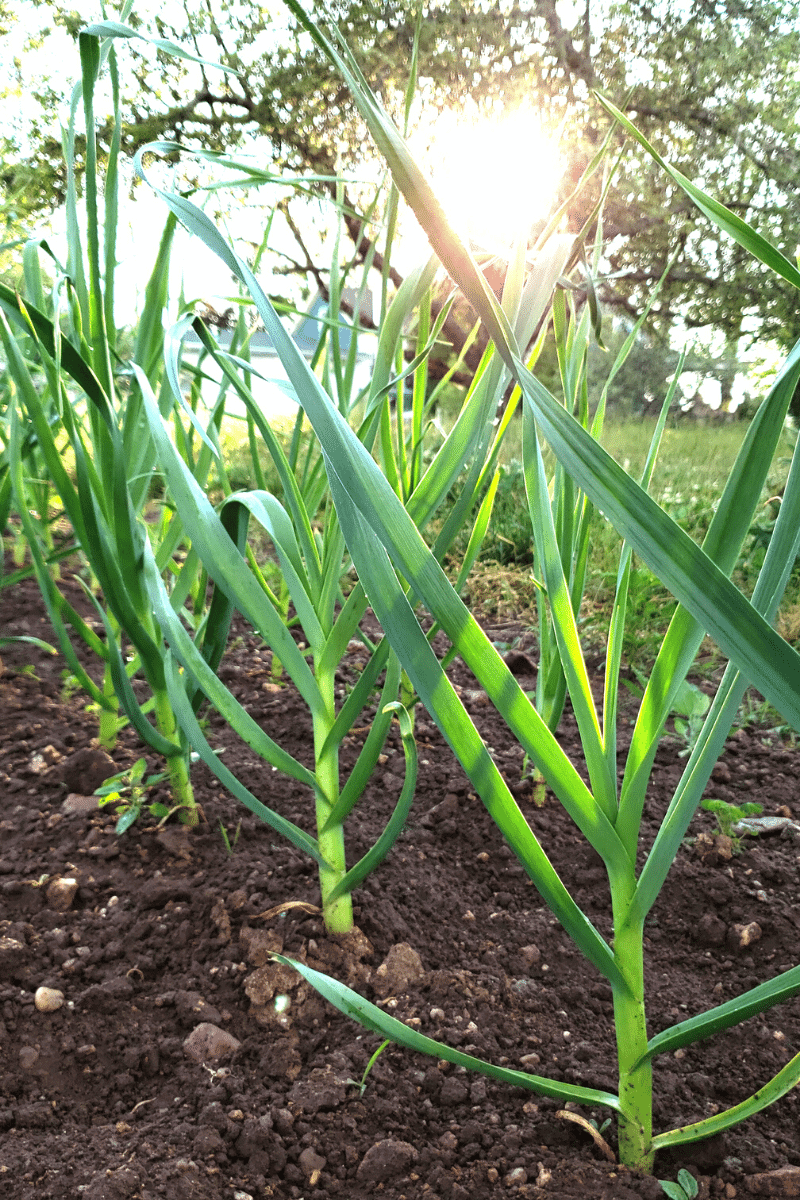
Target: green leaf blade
[(373, 1018)]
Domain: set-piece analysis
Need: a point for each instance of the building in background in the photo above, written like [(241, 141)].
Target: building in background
[(270, 384)]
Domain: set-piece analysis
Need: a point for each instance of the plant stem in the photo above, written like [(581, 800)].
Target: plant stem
[(338, 915), (539, 787), (182, 791), (635, 1083), (177, 764), (408, 696), (109, 718)]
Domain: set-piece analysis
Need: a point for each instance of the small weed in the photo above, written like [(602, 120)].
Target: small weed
[(501, 592), (128, 791), (685, 1189), (529, 771), (690, 707), (362, 1083), (70, 686), (600, 1128), (757, 714), (230, 846), (728, 815)]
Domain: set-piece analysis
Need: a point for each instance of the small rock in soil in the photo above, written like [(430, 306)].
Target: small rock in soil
[(453, 1092), (713, 848), (311, 1162), (14, 958), (401, 967), (207, 1141), (259, 944), (272, 979), (86, 770), (60, 893), (192, 1009), (386, 1160), (28, 1057), (77, 803), (208, 1043), (255, 1136), (321, 1090), (710, 930), (48, 999), (530, 955), (783, 1182), (742, 936)]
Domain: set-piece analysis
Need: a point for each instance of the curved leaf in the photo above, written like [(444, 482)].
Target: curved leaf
[(28, 318), (373, 1018), (778, 1086), (220, 555), (764, 658), (377, 852), (190, 726), (367, 760), (126, 696), (206, 678), (271, 515), (115, 29), (733, 1012)]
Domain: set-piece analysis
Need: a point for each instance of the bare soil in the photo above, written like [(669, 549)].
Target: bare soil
[(116, 1096)]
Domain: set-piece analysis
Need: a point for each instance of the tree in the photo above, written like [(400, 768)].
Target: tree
[(717, 91), (713, 84)]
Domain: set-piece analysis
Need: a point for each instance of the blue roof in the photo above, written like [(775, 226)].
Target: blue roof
[(312, 327), (308, 331)]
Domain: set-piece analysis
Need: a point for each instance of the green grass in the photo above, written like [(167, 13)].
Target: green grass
[(688, 452), (693, 465), (238, 459)]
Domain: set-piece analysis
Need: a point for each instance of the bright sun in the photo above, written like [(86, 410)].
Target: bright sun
[(494, 178)]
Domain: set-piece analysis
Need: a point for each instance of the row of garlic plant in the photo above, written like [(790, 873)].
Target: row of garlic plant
[(312, 566), (399, 572), (126, 458), (381, 508), (74, 414)]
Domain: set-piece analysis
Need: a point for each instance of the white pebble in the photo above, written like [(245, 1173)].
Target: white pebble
[(48, 999)]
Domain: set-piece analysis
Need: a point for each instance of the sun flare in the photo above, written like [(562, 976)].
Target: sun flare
[(494, 178)]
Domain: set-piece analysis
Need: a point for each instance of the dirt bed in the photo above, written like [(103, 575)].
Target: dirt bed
[(169, 1072)]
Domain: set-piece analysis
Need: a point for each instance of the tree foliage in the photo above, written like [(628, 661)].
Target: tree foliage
[(714, 84)]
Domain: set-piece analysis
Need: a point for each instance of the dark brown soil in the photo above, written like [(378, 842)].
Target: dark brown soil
[(166, 931)]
